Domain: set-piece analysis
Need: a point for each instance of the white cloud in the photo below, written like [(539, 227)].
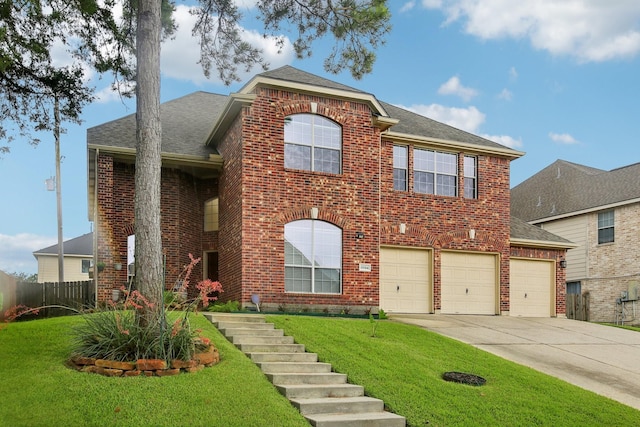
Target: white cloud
[(407, 6), (505, 94), (589, 30), (562, 138), (180, 55), (468, 119), (513, 74), (454, 87), (16, 252), (505, 140)]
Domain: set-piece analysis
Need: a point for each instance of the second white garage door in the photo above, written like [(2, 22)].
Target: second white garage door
[(530, 288), (469, 283), (405, 280)]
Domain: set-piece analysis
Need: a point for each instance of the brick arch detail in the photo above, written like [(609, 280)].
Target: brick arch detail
[(128, 229), (305, 213), (420, 234), (298, 106), (453, 240)]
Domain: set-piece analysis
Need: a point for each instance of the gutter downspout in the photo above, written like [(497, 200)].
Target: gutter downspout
[(95, 228)]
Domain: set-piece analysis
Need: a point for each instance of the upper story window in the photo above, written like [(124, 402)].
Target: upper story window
[(435, 172), (312, 257), (312, 143), (470, 178), (605, 227), (400, 167), (211, 214)]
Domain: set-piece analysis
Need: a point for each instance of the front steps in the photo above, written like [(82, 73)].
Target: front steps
[(323, 397)]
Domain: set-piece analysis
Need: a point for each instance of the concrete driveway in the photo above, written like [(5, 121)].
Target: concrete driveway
[(602, 359)]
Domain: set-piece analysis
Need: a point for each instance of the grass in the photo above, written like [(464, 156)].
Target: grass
[(38, 390), (403, 366)]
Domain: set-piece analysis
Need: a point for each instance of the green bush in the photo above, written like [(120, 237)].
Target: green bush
[(227, 307)]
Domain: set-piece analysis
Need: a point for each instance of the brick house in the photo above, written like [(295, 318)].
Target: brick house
[(599, 211), (314, 195)]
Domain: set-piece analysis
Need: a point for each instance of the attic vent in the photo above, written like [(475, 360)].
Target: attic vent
[(539, 201), (558, 177), (553, 208)]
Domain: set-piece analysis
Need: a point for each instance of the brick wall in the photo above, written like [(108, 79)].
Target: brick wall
[(612, 267), (441, 222), (272, 196), (182, 201)]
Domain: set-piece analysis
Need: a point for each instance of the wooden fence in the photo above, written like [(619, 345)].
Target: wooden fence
[(578, 306), (75, 295)]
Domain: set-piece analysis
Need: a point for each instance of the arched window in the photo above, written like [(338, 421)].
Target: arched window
[(312, 257), (313, 143)]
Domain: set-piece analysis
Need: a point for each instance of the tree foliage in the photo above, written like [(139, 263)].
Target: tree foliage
[(31, 77)]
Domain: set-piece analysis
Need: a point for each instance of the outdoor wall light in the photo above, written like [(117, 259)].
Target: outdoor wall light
[(117, 266), (403, 228), (563, 263), (359, 235)]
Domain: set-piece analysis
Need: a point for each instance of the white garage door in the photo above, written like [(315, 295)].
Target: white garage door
[(469, 283), (405, 280), (530, 289)]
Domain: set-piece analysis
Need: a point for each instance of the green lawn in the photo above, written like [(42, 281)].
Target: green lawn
[(38, 390), (402, 365)]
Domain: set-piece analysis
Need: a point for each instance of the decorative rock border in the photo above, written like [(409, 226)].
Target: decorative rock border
[(146, 367)]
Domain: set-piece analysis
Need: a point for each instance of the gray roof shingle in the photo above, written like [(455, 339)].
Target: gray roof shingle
[(186, 125), (525, 231), (564, 187), (81, 245)]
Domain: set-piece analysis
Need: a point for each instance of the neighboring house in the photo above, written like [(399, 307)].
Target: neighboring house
[(317, 196), (78, 260), (600, 212)]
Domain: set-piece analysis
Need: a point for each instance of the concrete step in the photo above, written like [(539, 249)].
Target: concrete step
[(276, 348), (323, 397), (338, 405), (224, 324), (235, 317), (260, 339), (307, 378), (294, 367), (367, 419), (300, 391), (232, 332), (282, 357)]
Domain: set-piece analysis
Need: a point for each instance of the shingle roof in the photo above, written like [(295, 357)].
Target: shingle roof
[(564, 187), (525, 231), (188, 121), (295, 75), (81, 245), (186, 124)]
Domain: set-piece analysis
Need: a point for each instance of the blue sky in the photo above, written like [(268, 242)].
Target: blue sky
[(555, 79)]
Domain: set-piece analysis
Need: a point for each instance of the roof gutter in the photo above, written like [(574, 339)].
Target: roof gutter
[(546, 244)]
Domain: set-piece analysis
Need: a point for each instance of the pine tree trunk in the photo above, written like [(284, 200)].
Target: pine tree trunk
[(148, 252)]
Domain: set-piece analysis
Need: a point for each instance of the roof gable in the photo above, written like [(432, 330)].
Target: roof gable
[(81, 245), (564, 188)]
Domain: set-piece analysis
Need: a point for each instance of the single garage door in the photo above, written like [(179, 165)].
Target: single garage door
[(405, 280), (530, 289), (469, 283)]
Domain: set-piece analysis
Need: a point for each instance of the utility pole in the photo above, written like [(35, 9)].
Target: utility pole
[(56, 133)]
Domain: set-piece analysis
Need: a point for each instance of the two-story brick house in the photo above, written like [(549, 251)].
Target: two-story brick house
[(315, 195), (599, 211)]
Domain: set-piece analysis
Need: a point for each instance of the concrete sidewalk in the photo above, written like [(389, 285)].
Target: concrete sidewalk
[(603, 359)]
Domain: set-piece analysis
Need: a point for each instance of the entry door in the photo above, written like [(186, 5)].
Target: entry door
[(212, 266), (405, 285)]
